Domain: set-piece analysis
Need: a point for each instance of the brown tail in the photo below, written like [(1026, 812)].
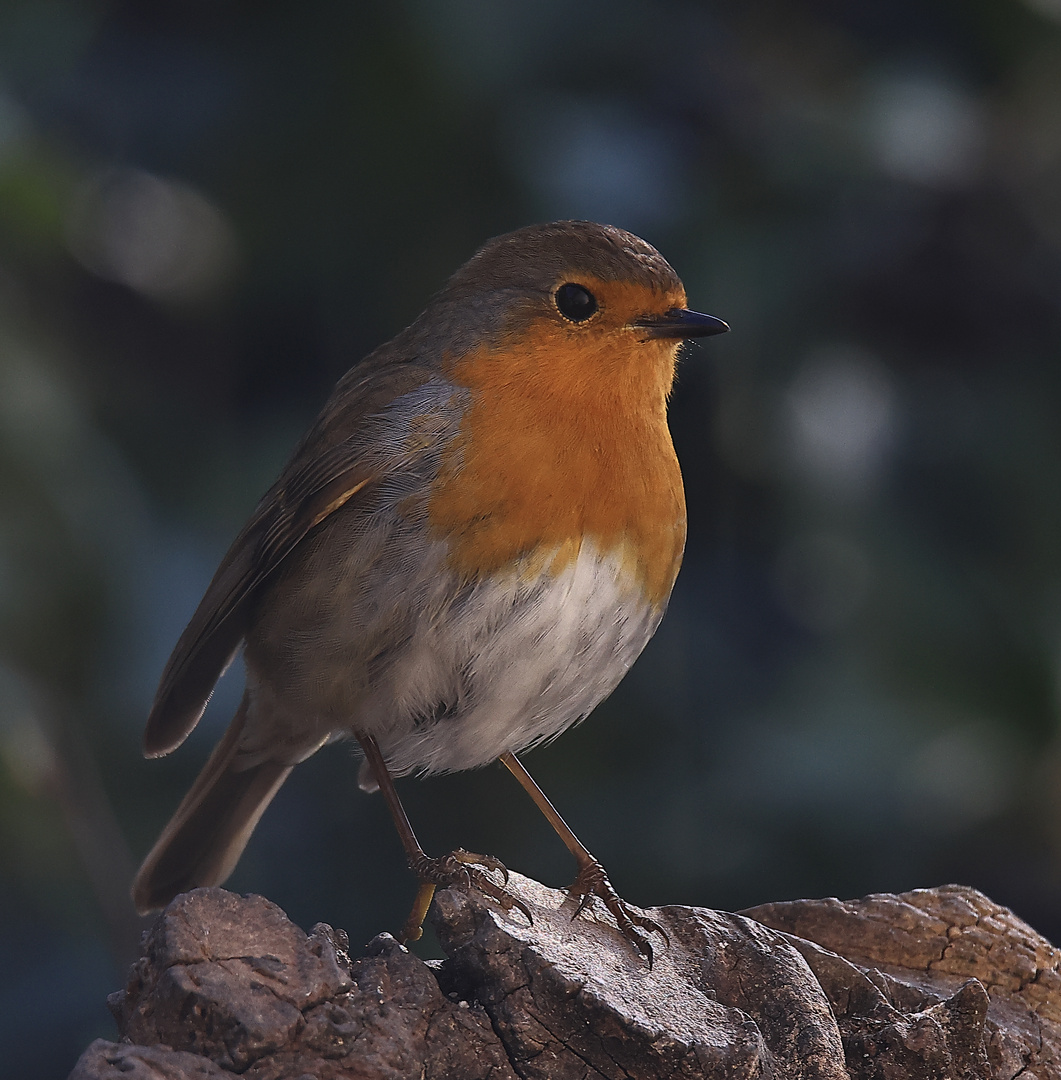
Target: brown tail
[(206, 836)]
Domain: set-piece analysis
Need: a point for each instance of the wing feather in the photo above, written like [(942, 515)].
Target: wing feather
[(358, 441)]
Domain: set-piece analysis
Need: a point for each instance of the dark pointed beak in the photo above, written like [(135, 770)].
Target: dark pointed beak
[(681, 323)]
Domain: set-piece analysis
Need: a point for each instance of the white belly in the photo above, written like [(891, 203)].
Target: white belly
[(530, 660), (445, 678)]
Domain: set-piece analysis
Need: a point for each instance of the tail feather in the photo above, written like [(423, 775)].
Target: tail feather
[(206, 836)]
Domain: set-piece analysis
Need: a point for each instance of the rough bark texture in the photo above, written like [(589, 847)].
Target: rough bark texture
[(937, 983)]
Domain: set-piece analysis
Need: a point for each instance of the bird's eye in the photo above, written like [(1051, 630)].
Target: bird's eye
[(575, 302)]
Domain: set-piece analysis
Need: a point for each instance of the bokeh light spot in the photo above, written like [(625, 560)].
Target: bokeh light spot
[(160, 237)]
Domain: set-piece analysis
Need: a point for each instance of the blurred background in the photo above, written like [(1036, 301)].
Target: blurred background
[(209, 211)]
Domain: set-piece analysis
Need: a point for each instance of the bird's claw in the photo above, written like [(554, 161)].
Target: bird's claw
[(461, 869), (593, 881)]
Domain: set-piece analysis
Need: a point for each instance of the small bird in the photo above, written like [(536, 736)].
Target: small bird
[(464, 555)]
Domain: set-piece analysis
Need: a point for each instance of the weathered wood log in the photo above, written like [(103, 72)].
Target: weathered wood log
[(938, 983)]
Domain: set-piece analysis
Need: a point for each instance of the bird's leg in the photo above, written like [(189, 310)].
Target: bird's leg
[(591, 880), (457, 868)]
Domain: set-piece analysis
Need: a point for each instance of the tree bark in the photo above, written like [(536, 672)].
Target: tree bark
[(937, 983)]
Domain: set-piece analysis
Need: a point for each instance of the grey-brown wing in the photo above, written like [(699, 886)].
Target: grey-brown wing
[(340, 461)]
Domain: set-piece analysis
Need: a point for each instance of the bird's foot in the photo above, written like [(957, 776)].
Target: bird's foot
[(462, 869), (593, 881)]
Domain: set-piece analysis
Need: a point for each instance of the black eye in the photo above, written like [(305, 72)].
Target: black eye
[(575, 302)]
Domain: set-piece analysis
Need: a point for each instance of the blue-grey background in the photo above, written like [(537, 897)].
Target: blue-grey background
[(208, 211)]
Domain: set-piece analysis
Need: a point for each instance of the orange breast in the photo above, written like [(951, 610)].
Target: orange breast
[(560, 446)]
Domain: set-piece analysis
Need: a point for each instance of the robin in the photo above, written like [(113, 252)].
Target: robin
[(463, 557)]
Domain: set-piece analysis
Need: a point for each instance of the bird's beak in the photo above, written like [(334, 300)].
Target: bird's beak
[(681, 323)]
